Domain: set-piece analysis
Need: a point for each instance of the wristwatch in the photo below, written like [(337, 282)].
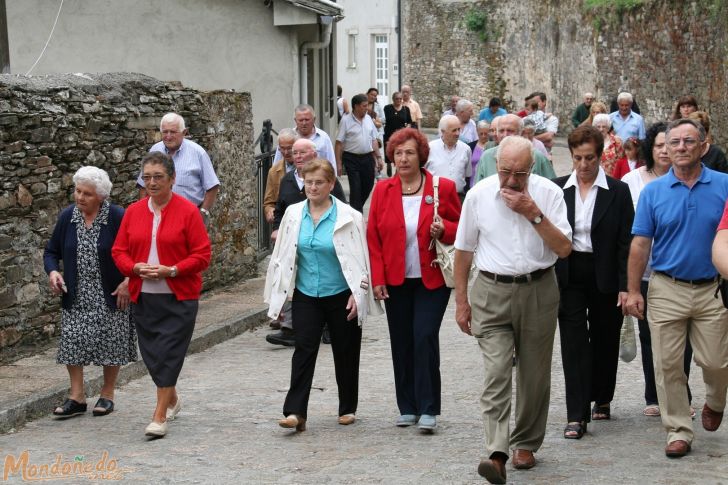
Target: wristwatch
[(205, 211), (173, 272), (537, 219)]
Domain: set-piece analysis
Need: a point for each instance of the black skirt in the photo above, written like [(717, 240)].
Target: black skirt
[(164, 331)]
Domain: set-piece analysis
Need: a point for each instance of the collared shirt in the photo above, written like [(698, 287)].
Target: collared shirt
[(194, 174), (634, 125), (487, 115), (379, 110), (504, 241), (357, 135), (299, 179), (487, 166), (318, 271), (415, 111), (469, 132), (584, 211), (154, 286), (552, 124), (682, 222), (411, 208), (453, 163), (324, 148)]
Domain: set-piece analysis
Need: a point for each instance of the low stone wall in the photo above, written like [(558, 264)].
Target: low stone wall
[(52, 125)]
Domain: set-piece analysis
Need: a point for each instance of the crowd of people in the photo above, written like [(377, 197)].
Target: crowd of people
[(531, 252)]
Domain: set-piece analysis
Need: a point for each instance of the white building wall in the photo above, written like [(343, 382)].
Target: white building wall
[(216, 44), (356, 70)]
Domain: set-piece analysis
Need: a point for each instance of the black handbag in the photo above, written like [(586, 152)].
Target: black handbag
[(723, 290)]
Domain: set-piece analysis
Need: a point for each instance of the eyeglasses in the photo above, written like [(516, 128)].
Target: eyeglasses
[(314, 183), (299, 152), (689, 142), (156, 177), (285, 149), (511, 173)]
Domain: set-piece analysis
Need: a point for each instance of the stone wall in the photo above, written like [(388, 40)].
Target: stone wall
[(52, 125), (658, 51)]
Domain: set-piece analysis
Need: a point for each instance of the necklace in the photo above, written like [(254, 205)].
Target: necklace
[(422, 181)]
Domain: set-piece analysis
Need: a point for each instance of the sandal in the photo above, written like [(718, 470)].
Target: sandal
[(574, 431), (652, 410), (103, 407), (69, 408), (600, 413)]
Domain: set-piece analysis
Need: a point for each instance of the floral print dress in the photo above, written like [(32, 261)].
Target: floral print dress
[(611, 154), (92, 333)]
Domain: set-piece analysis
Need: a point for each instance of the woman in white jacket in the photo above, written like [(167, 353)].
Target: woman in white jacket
[(321, 259)]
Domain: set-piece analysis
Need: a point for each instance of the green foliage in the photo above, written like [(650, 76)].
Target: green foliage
[(477, 21), (619, 5)]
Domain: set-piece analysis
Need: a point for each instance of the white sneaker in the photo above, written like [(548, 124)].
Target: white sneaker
[(156, 429), (172, 412)]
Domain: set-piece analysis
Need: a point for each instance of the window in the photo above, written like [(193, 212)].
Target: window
[(381, 64), (351, 51)]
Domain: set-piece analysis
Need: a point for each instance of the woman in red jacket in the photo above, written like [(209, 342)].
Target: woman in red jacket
[(162, 246), (399, 231)]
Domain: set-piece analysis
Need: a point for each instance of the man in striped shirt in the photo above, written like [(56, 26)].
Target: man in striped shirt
[(195, 178)]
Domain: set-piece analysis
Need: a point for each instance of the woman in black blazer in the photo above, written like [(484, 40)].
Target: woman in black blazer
[(592, 281)]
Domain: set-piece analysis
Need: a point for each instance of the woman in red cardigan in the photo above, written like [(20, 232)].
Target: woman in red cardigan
[(162, 246), (399, 231)]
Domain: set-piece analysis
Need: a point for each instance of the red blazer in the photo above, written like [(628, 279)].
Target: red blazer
[(621, 168), (181, 241), (386, 235)]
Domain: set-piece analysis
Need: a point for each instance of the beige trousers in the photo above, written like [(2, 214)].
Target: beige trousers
[(677, 311), (520, 316)]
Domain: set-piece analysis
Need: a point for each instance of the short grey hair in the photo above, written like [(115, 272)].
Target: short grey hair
[(173, 118), (509, 116), (517, 142), (625, 96), (303, 108), (288, 134), (462, 105), (702, 135), (96, 177), (602, 118), (442, 125), (482, 124)]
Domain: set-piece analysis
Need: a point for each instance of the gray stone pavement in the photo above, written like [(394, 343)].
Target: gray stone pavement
[(232, 396)]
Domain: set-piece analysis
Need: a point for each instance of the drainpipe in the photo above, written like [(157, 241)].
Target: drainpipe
[(328, 23)]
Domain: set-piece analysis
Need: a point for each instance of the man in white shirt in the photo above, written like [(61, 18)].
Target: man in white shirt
[(514, 225), (450, 157), (305, 119), (358, 150), (451, 107), (552, 122), (464, 112)]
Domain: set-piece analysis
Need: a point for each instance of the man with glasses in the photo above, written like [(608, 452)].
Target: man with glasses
[(509, 125), (305, 118), (676, 221), (514, 226), (286, 138), (195, 178)]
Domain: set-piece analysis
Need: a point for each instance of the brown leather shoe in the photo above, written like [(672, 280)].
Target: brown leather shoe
[(523, 459), (711, 419), (677, 449), (493, 469)]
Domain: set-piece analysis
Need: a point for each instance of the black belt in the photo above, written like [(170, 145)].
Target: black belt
[(703, 281), (525, 278)]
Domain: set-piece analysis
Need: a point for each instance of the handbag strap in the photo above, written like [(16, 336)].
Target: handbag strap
[(435, 186)]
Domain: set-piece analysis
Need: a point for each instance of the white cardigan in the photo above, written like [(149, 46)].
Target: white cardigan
[(351, 250)]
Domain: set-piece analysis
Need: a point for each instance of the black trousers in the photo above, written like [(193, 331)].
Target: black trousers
[(309, 316), (648, 366), (414, 316), (360, 171), (589, 324)]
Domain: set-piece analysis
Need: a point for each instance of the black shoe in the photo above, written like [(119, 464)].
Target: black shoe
[(103, 407), (326, 336), (285, 337), (70, 408)]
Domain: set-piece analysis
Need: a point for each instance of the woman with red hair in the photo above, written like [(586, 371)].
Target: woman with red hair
[(400, 229)]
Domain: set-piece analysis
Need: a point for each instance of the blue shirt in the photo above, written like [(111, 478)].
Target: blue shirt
[(319, 271), (487, 115), (682, 222), (194, 174), (634, 125)]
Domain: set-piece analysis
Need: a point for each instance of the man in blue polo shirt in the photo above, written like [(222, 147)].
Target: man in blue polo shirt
[(677, 218), (627, 123)]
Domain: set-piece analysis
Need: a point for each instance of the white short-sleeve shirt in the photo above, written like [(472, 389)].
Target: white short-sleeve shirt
[(453, 164)]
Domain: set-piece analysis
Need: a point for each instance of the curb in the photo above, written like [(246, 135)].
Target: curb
[(38, 404)]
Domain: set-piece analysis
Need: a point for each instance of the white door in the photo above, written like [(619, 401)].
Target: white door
[(381, 67)]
